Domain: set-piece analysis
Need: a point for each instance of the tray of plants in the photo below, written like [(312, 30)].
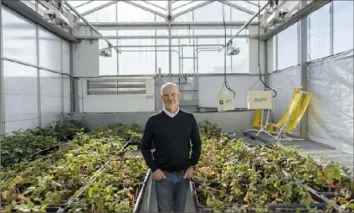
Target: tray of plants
[(243, 197), (31, 207), (326, 180), (115, 189)]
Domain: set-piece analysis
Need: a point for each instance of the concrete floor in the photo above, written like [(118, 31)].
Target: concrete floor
[(315, 149)]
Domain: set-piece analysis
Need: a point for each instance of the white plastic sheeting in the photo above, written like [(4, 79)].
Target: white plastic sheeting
[(331, 109), (284, 82)]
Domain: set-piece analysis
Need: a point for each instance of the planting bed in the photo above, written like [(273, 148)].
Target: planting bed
[(234, 176), (26, 145), (101, 172), (52, 180)]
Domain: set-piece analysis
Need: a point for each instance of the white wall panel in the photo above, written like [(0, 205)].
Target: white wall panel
[(209, 86), (331, 109), (49, 50), (86, 60), (66, 57), (20, 97), (116, 103), (50, 84), (19, 38)]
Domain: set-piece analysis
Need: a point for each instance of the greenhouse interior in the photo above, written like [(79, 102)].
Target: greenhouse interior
[(268, 82)]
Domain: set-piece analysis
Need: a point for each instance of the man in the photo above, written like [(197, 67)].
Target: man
[(174, 159)]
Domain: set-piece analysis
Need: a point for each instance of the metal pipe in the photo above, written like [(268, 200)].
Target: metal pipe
[(83, 19), (127, 37), (169, 53), (155, 49), (117, 39), (34, 66), (165, 25), (2, 87), (62, 79), (72, 81), (245, 25), (39, 107), (152, 46)]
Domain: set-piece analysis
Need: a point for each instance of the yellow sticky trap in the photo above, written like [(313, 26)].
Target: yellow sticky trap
[(257, 118), (294, 100), (303, 109)]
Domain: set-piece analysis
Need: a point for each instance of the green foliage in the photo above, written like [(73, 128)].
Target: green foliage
[(250, 179), (22, 145)]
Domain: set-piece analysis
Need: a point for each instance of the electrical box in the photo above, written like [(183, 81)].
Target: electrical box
[(225, 101), (260, 100)]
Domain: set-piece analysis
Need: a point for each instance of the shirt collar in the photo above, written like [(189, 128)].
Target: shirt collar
[(171, 114)]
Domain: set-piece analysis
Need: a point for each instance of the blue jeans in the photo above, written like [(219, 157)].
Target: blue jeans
[(171, 192)]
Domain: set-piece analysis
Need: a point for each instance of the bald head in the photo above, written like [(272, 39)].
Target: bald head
[(170, 96), (168, 85)]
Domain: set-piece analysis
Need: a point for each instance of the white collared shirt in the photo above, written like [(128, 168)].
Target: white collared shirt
[(171, 114)]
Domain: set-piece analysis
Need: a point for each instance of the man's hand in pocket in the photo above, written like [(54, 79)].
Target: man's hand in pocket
[(158, 175)]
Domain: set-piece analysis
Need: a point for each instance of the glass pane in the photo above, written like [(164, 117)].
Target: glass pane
[(17, 34), (343, 26), (288, 47), (20, 90), (108, 65), (49, 50), (188, 17), (107, 14), (194, 4), (146, 55), (126, 10), (77, 2), (240, 62), (319, 32), (91, 5), (50, 97), (212, 12)]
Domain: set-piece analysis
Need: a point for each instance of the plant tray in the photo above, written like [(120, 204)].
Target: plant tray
[(320, 206), (50, 209), (45, 151)]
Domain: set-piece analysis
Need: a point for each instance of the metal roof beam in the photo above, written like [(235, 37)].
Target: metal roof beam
[(238, 7), (165, 25), (33, 16), (146, 9), (99, 7), (192, 8), (302, 13), (130, 37)]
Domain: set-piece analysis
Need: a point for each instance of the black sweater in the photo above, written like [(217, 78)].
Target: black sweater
[(176, 141)]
